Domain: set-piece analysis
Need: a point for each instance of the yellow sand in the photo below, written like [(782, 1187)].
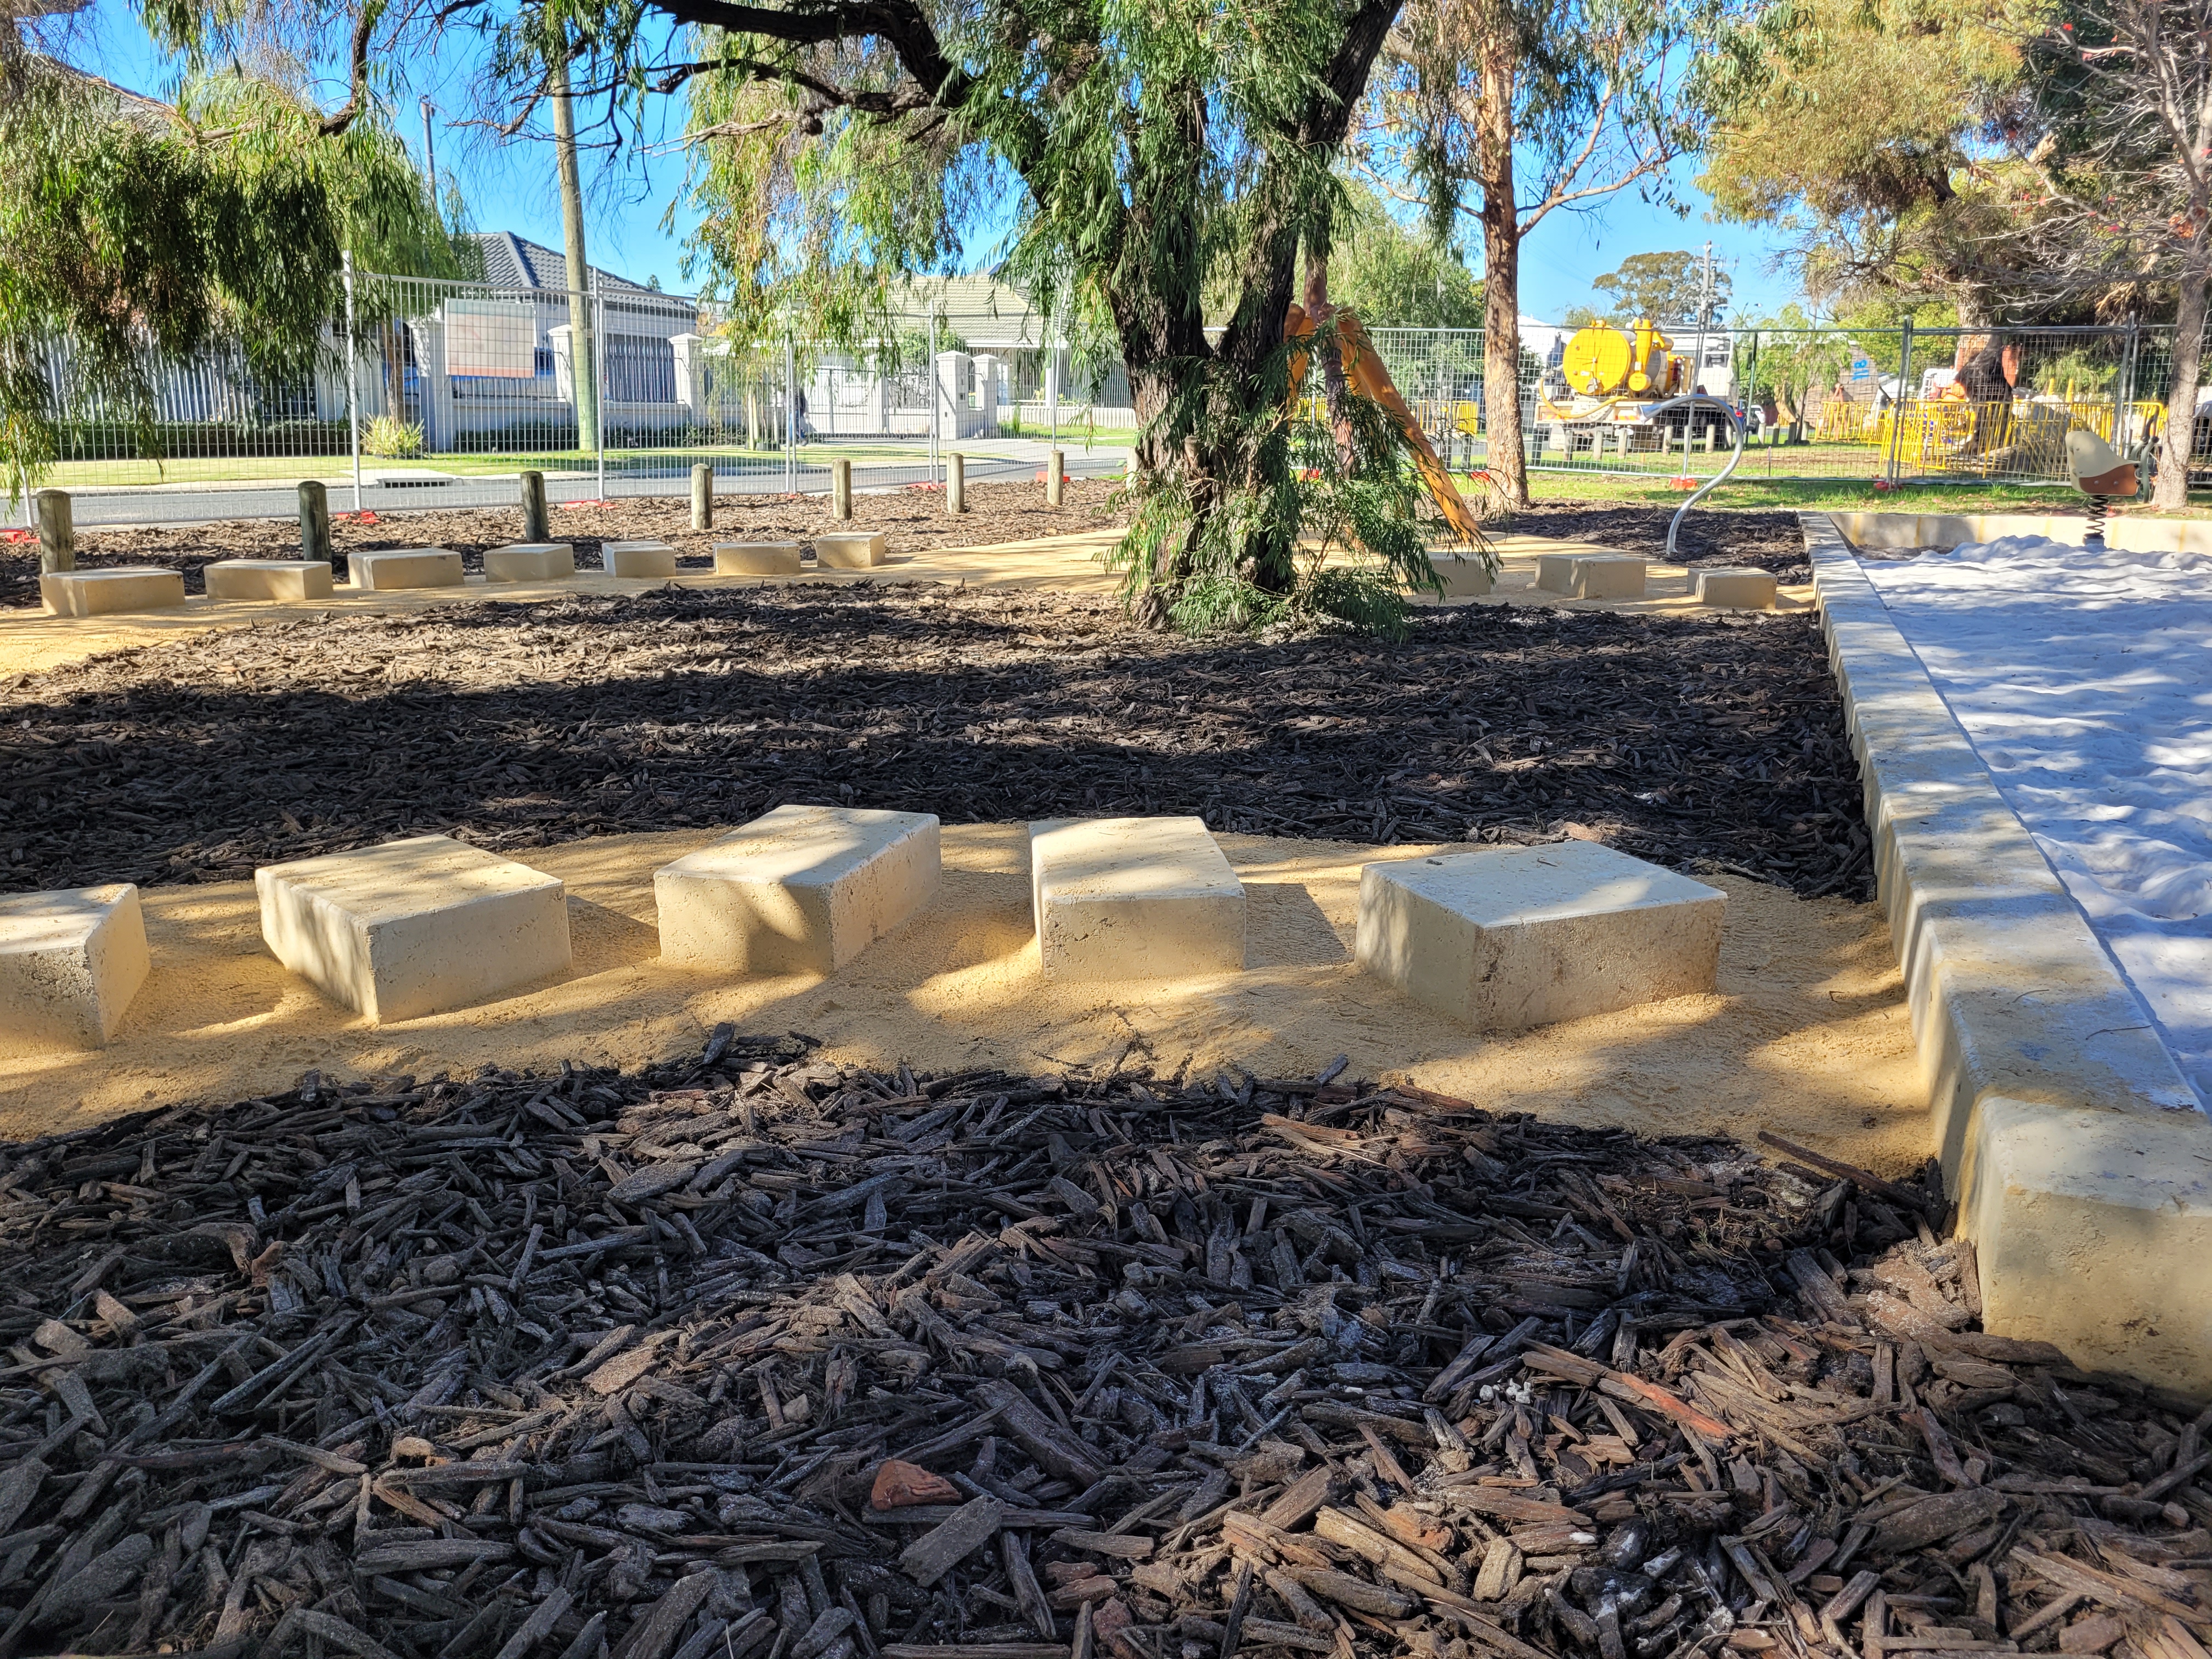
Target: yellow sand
[(31, 640), (1807, 1033)]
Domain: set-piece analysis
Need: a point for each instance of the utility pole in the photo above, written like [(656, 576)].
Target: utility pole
[(583, 358), (430, 155), (1705, 317)]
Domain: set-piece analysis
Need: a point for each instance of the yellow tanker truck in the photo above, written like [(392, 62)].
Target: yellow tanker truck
[(1608, 381)]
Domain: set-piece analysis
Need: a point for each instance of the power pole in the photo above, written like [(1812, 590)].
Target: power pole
[(583, 359), (430, 155), (1705, 315)]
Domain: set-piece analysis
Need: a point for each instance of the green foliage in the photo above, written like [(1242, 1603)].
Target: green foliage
[(393, 439), (1864, 130), (1264, 560), (1664, 288), (137, 236), (1154, 155), (1393, 277)]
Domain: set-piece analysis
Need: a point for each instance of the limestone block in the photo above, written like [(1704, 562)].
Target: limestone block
[(1605, 576), (104, 592), (1134, 898), (801, 889), (639, 560), (405, 567), (1737, 589), (268, 578), (414, 926), (1464, 578), (70, 964), (530, 562), (1552, 570), (849, 551), (757, 558), (1512, 937)]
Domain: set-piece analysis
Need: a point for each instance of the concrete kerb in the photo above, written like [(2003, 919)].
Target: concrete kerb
[(2125, 534), (2082, 1165)]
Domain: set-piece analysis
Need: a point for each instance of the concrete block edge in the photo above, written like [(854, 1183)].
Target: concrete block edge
[(2074, 1146)]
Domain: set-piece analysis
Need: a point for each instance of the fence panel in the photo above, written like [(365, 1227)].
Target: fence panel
[(450, 389)]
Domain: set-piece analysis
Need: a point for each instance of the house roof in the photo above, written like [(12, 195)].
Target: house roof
[(982, 310), (515, 262)]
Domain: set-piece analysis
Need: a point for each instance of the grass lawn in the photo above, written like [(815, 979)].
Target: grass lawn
[(1831, 494)]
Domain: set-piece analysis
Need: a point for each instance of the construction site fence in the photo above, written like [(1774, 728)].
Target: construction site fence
[(436, 391), (1903, 406)]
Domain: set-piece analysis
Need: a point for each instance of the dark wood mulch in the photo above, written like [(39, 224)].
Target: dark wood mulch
[(1771, 540), (914, 520), (1693, 741), (748, 1355)]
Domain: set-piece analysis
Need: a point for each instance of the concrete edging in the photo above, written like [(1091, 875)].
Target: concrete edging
[(2081, 1165), (2124, 534)]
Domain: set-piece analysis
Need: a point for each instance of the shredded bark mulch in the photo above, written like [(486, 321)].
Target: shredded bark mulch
[(1769, 540), (1698, 742), (750, 1356), (914, 520)]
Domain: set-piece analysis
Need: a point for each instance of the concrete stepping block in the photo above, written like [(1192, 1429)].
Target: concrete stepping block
[(757, 558), (530, 562), (1464, 578), (798, 890), (1591, 575), (1134, 898), (857, 550), (70, 964), (1512, 937), (405, 567), (637, 559), (414, 926), (1737, 589), (268, 578), (107, 592)]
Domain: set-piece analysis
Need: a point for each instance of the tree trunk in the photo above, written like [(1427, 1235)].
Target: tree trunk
[(583, 360), (2171, 492), (1505, 450), (1321, 315)]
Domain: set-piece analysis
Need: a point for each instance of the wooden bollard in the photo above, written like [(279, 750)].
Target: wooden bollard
[(840, 489), (956, 483), (702, 496), (57, 531), (534, 527), (1054, 469), (314, 520)]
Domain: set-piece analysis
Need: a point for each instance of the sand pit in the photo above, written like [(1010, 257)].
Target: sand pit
[(1807, 1033)]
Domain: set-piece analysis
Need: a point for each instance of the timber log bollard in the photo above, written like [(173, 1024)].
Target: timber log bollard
[(533, 506), (314, 520), (56, 531)]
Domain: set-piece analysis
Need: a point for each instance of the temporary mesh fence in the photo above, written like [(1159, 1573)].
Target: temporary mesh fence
[(438, 391)]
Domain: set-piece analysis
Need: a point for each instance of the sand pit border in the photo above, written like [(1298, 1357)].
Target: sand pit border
[(2081, 1165)]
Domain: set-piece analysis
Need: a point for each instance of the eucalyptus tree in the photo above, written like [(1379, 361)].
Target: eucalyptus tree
[(1515, 110)]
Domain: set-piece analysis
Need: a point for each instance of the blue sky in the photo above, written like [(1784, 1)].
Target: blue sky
[(510, 187)]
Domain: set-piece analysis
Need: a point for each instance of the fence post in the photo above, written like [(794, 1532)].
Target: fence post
[(841, 488), (56, 531), (353, 378), (598, 309), (533, 506), (314, 521), (2124, 391), (1897, 408), (702, 496)]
